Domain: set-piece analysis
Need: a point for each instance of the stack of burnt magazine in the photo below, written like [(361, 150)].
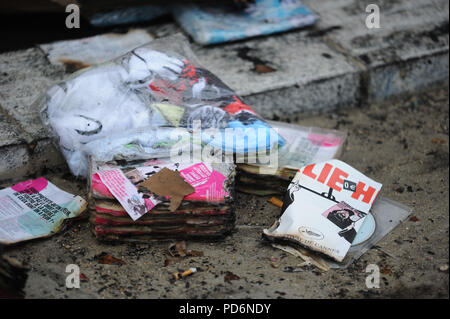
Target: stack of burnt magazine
[(206, 212)]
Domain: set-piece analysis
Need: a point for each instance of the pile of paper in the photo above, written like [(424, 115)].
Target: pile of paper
[(160, 199)]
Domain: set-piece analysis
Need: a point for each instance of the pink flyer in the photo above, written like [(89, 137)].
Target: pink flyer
[(126, 193)]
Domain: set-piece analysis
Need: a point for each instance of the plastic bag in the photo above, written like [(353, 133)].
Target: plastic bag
[(158, 85)]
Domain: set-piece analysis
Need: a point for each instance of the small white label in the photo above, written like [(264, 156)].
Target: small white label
[(73, 279), (373, 19), (373, 280), (73, 19)]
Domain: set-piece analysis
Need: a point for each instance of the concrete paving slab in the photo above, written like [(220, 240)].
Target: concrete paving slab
[(409, 28), (412, 33), (296, 58), (8, 132), (308, 75), (24, 77), (17, 161), (408, 76)]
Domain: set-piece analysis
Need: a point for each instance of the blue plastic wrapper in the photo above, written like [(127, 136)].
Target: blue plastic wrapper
[(223, 23)]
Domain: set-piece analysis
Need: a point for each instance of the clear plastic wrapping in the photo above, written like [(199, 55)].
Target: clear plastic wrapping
[(384, 216), (138, 99), (387, 214)]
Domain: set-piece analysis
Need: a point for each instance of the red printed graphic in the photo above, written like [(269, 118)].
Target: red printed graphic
[(238, 106)]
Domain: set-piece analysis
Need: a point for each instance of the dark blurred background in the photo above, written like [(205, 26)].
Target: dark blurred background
[(24, 23)]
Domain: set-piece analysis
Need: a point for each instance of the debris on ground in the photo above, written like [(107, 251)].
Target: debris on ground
[(169, 260), (108, 259), (83, 277), (438, 140), (386, 271), (305, 255), (292, 269), (180, 275), (262, 68), (277, 202), (35, 209), (443, 268), (178, 251), (229, 276)]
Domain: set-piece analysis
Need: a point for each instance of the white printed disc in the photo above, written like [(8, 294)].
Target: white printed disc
[(366, 231)]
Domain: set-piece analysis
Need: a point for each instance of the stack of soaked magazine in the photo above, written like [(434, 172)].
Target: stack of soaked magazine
[(124, 206)]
